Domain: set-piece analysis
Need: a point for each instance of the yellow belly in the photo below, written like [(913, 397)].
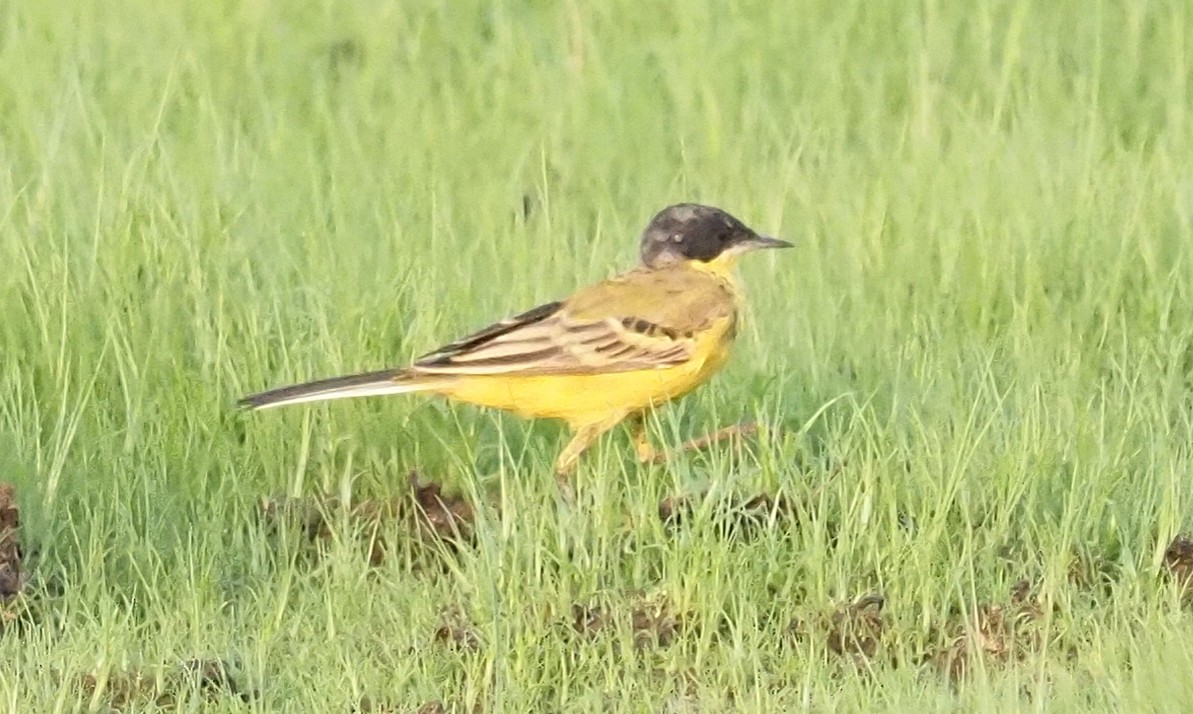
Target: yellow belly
[(581, 399)]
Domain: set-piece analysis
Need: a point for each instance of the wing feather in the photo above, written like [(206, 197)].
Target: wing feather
[(635, 322)]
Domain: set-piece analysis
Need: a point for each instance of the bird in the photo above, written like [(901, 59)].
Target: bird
[(610, 353)]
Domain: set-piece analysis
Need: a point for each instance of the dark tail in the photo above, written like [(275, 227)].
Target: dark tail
[(386, 381)]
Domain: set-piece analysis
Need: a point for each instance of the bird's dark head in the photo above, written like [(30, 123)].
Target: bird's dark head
[(691, 232)]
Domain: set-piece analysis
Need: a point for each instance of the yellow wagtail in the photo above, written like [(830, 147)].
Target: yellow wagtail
[(609, 352)]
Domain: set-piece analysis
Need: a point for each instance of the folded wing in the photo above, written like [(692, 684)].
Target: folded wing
[(619, 325)]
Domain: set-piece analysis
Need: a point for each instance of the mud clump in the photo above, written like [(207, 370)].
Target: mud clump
[(994, 634), (457, 632), (14, 605), (12, 580), (1178, 563), (368, 705), (440, 516), (853, 632), (1092, 571), (742, 518), (419, 520), (434, 706), (653, 622), (135, 689), (857, 630)]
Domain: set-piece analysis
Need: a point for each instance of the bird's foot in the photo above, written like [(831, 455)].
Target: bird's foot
[(567, 492), (736, 431)]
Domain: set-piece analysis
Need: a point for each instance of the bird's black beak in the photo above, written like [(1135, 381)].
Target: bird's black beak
[(760, 242)]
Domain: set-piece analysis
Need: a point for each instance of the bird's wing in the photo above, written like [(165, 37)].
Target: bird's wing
[(639, 320)]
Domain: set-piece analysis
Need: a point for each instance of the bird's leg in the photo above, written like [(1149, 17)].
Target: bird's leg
[(583, 438), (646, 452), (565, 463), (729, 432), (735, 431)]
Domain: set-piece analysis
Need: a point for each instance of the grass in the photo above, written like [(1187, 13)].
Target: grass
[(979, 353)]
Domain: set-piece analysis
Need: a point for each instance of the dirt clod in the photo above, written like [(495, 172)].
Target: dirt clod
[(420, 519), (368, 705), (857, 630), (995, 634), (1091, 570), (441, 516), (457, 632), (18, 607), (653, 621), (853, 632), (12, 579), (1178, 562), (740, 519), (134, 689), (214, 677)]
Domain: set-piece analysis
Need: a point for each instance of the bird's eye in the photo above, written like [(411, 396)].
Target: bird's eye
[(676, 237)]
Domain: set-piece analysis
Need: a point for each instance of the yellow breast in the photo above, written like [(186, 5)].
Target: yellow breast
[(581, 399), (702, 294)]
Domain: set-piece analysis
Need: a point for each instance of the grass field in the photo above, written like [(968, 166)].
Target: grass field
[(975, 368)]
